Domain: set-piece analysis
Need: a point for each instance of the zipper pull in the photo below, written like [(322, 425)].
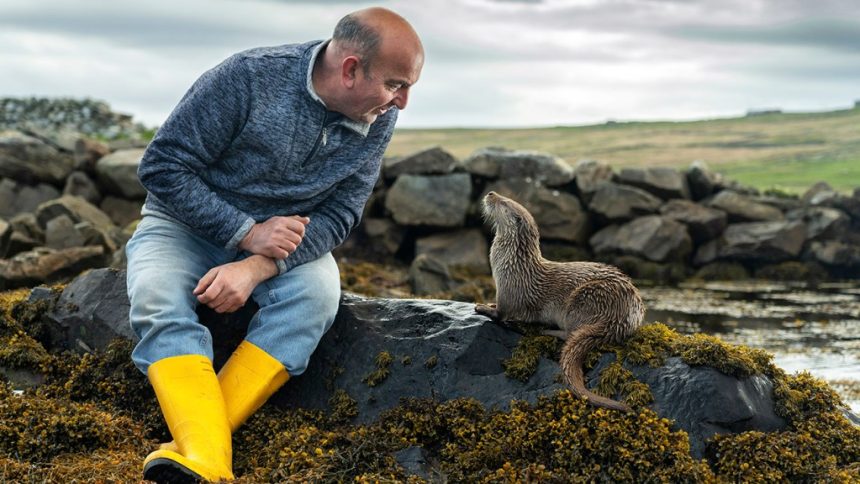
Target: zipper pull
[(325, 136)]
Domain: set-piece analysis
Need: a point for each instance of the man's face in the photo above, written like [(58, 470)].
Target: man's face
[(386, 86)]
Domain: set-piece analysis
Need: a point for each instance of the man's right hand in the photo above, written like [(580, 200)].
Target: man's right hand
[(277, 237)]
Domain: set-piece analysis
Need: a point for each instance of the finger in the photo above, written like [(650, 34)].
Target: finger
[(295, 225), (288, 246), (211, 294), (205, 281)]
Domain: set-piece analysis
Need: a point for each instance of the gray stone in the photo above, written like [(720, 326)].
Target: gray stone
[(762, 241), (440, 201), (415, 462), (44, 265), (702, 181), (26, 224), (704, 402), (702, 222), (653, 237), (818, 194), (432, 161), (429, 275), (384, 233), (836, 253), (589, 175), (77, 209), (60, 233), (741, 208), (559, 214), (822, 223), (619, 203), (88, 152), (117, 173), (121, 211), (17, 198), (549, 170), (664, 182), (86, 314), (465, 248), (78, 184), (30, 160)]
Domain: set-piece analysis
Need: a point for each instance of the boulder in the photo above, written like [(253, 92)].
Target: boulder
[(432, 161), (822, 223), (429, 275), (741, 208), (30, 160), (440, 201), (117, 173), (77, 209), (653, 237), (589, 175), (88, 152), (619, 203), (121, 211), (702, 222), (704, 402), (664, 182), (546, 169), (383, 234), (19, 243), (5, 235), (78, 184), (26, 224), (442, 350), (464, 248), (559, 215), (60, 233), (762, 241), (43, 265), (819, 194), (701, 180), (18, 198), (836, 253)]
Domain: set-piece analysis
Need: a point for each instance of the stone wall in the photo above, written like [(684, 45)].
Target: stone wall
[(69, 202)]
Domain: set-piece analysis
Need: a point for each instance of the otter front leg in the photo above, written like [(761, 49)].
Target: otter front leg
[(489, 310)]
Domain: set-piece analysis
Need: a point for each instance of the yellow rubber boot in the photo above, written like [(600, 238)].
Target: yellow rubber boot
[(247, 380), (193, 407)]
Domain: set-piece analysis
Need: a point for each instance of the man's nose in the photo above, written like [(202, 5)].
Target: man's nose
[(402, 98)]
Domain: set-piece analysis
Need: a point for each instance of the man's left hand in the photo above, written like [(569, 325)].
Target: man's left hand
[(226, 288)]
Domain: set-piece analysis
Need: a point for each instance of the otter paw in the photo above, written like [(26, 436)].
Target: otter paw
[(487, 310)]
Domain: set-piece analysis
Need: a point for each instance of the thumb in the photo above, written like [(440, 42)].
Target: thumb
[(204, 283)]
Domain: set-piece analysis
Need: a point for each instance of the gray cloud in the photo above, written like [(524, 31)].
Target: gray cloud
[(833, 34)]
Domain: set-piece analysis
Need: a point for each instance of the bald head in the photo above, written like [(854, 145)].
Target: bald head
[(376, 31)]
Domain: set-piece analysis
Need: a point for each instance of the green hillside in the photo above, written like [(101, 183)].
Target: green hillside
[(789, 151)]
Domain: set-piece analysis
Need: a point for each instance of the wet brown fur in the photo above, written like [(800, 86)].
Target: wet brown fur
[(591, 303)]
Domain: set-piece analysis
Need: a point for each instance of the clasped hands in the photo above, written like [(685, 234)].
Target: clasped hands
[(227, 287)]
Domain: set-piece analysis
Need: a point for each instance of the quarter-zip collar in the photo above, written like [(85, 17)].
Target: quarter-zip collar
[(358, 127)]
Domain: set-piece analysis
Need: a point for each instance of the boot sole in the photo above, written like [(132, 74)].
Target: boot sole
[(166, 471)]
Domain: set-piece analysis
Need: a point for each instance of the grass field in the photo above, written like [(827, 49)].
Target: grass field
[(787, 151)]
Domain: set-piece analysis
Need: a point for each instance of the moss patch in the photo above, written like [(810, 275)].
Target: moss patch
[(383, 362)]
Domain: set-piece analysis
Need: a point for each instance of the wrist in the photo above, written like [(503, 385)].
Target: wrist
[(248, 238), (263, 266)]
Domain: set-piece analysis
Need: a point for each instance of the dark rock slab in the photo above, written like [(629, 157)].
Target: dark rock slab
[(429, 275), (704, 402), (664, 182), (30, 160), (742, 208), (432, 161), (117, 174), (559, 215), (464, 248), (440, 201), (654, 237), (702, 222), (383, 234), (702, 181), (762, 241), (822, 223), (544, 168), (619, 203)]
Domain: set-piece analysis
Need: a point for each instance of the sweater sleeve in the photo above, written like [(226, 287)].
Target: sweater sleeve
[(333, 220), (201, 127)]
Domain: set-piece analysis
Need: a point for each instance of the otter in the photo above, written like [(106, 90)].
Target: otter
[(590, 303)]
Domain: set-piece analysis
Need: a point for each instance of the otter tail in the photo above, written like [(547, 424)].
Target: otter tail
[(573, 353)]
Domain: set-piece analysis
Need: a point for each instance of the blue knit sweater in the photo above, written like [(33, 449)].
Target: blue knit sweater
[(251, 140)]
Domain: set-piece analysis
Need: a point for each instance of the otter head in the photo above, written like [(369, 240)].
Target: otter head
[(509, 217)]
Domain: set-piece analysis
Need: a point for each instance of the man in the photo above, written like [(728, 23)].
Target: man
[(262, 169)]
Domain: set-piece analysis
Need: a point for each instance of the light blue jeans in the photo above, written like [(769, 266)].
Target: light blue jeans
[(166, 261)]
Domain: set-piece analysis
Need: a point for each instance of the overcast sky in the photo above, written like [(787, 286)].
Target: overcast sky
[(489, 62)]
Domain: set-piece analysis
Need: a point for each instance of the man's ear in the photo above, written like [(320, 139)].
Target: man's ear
[(348, 71)]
